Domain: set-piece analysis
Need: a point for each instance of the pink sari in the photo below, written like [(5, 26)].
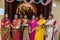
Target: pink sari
[(32, 25)]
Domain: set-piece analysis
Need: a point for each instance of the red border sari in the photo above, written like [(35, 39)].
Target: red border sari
[(15, 32), (5, 30)]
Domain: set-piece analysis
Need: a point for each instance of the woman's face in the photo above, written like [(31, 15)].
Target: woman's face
[(16, 16), (36, 18), (25, 16), (33, 17), (49, 17), (6, 15), (20, 16), (41, 16)]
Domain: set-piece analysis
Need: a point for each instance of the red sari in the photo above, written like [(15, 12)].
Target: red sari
[(15, 31), (4, 29)]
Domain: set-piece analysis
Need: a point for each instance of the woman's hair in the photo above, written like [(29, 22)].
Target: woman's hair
[(41, 14), (16, 14), (4, 17), (51, 15), (34, 15), (24, 15), (5, 13)]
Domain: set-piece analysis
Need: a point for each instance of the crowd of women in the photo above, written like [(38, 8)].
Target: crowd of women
[(37, 28)]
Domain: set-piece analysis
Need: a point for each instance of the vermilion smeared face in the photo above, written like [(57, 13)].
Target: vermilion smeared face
[(6, 15), (25, 16), (41, 16), (16, 16), (33, 17), (49, 17)]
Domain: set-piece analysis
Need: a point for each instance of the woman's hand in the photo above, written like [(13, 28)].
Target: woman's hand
[(30, 32), (46, 35), (33, 29), (8, 26), (53, 26), (12, 26)]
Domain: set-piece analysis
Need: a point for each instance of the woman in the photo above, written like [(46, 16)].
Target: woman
[(5, 26), (25, 29), (21, 28), (16, 28), (37, 18), (51, 28), (40, 30), (32, 25)]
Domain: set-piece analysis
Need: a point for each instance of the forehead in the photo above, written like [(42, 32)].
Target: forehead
[(6, 14), (50, 15)]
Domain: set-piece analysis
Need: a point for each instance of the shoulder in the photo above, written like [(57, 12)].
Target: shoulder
[(54, 23), (13, 20), (2, 19), (8, 19), (54, 20)]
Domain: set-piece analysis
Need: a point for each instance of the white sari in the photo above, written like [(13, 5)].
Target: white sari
[(50, 30)]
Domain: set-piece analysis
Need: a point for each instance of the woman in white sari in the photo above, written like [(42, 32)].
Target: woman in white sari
[(51, 28)]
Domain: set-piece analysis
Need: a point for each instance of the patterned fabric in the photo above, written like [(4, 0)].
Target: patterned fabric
[(32, 25), (39, 34), (50, 30), (15, 29), (5, 30), (26, 30)]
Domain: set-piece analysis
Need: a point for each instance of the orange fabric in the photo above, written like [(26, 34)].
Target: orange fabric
[(16, 35), (15, 32), (15, 22), (6, 35), (4, 22)]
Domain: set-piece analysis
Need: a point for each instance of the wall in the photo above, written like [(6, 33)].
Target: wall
[(1, 3), (1, 6), (56, 13)]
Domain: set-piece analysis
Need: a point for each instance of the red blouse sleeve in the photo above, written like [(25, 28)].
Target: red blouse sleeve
[(55, 27), (54, 22), (2, 22), (22, 21), (7, 22), (12, 22)]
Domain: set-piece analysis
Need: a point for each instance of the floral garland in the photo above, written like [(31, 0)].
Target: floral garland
[(38, 2), (47, 2), (9, 0), (28, 2)]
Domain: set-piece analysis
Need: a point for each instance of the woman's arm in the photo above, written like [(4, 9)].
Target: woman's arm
[(29, 30), (12, 26), (33, 29)]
